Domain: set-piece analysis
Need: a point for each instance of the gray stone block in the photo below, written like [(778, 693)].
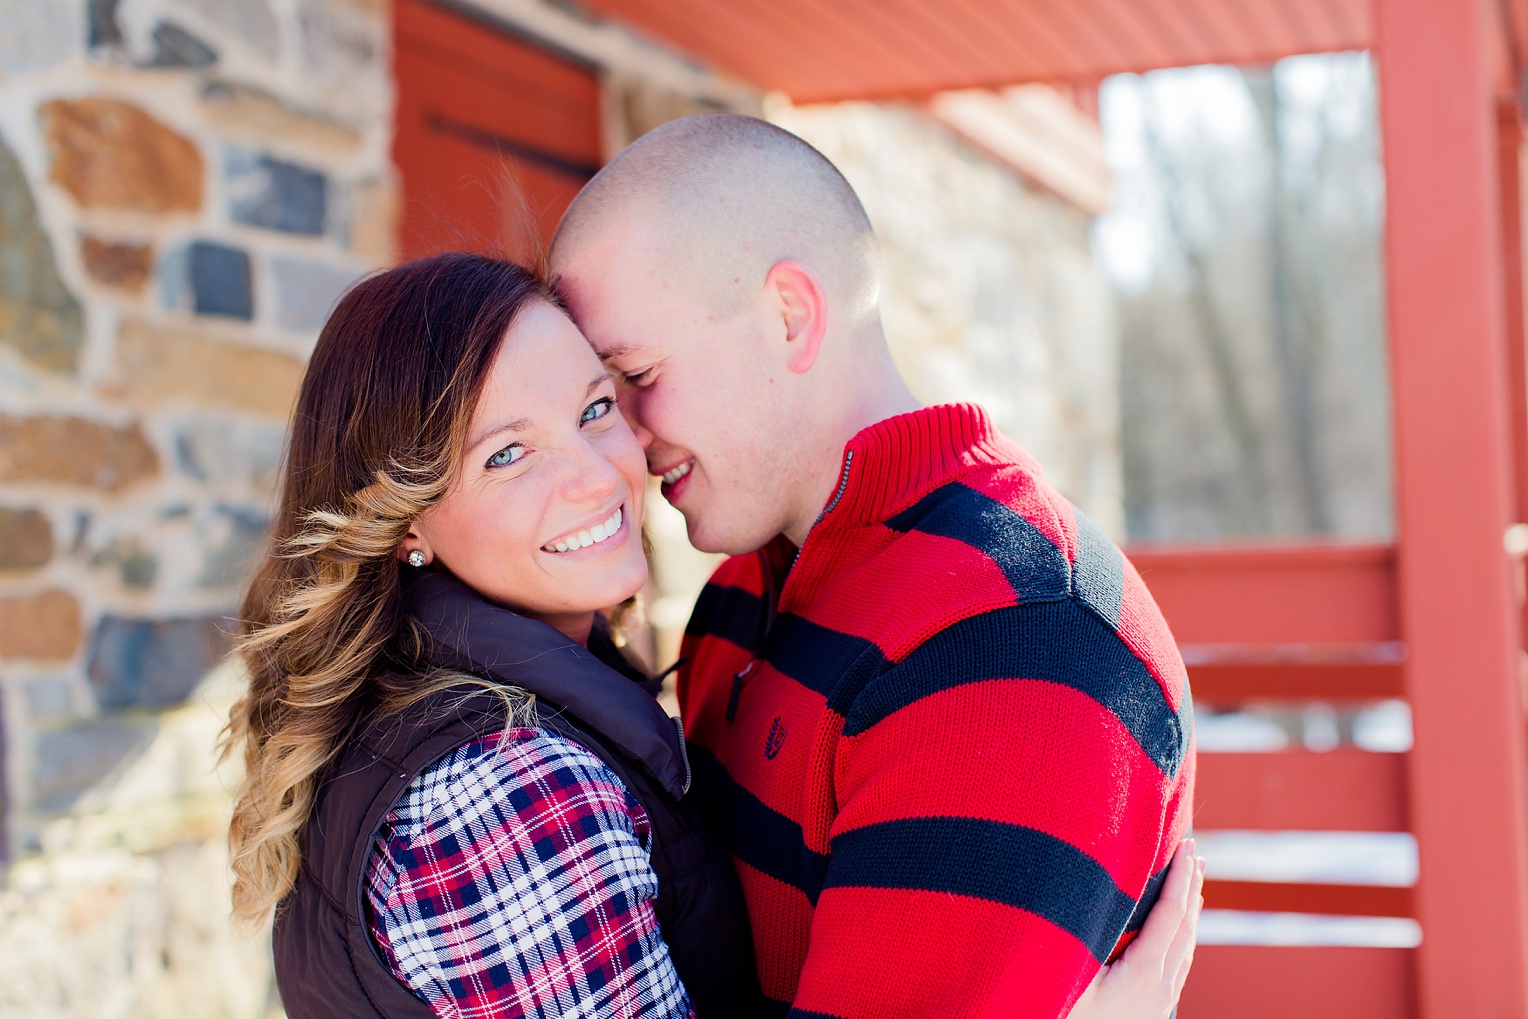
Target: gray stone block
[(102, 27), (39, 318), (152, 663), (136, 565), (272, 193), (176, 47), (49, 700), (248, 22), (231, 542), (306, 291), (72, 761), (37, 34), (220, 280), (218, 451), (338, 38)]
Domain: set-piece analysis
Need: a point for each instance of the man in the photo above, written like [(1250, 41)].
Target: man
[(942, 725)]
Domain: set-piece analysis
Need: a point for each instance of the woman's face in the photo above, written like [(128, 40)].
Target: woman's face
[(546, 516)]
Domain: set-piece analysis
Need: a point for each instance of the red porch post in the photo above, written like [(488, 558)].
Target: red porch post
[(1454, 499)]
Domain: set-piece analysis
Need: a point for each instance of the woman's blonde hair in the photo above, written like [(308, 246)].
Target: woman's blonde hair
[(376, 439)]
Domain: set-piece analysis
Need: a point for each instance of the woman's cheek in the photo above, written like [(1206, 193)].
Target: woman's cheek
[(623, 450)]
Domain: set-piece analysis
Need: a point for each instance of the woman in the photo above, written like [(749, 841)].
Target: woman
[(460, 809)]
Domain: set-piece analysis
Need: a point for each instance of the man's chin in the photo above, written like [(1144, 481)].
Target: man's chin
[(717, 542)]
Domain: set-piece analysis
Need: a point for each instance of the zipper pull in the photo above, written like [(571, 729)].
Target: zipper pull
[(737, 689)]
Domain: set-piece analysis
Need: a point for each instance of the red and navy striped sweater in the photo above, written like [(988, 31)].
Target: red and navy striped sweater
[(950, 747)]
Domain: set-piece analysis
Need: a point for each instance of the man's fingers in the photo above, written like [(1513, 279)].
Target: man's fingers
[(1180, 957), (1166, 917)]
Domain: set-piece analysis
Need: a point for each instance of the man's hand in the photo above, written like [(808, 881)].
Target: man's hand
[(1145, 982)]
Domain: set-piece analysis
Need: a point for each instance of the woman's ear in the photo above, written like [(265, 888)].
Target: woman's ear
[(415, 542), (803, 306)]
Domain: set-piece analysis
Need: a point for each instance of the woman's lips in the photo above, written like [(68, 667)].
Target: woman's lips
[(596, 535)]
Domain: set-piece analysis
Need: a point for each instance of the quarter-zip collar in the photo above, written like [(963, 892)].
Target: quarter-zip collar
[(893, 463)]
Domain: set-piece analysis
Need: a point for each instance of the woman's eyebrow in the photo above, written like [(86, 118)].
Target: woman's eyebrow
[(519, 424), (516, 425)]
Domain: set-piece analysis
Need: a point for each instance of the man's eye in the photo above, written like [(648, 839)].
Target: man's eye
[(638, 379), (506, 456), (596, 410)]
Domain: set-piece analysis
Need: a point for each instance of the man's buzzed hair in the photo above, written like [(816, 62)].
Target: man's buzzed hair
[(725, 197)]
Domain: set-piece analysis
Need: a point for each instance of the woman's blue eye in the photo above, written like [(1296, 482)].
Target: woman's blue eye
[(596, 410), (506, 456)]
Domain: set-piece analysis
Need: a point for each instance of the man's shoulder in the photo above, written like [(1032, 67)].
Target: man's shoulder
[(1004, 515)]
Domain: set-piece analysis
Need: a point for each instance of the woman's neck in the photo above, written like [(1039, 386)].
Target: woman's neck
[(575, 625)]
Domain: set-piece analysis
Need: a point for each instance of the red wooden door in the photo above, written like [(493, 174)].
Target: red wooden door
[(494, 135)]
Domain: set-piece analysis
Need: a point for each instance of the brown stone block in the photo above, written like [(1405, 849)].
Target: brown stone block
[(44, 626), (74, 451), (113, 264), (255, 115), (111, 154), (372, 220), (26, 539), (155, 363)]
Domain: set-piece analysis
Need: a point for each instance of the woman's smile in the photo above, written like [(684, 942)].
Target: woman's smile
[(600, 536)]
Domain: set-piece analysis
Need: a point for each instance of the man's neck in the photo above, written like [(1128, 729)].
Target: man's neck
[(887, 397)]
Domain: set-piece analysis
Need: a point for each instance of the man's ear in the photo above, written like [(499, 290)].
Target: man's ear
[(803, 305)]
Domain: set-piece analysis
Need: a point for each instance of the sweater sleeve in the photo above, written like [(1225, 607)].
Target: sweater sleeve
[(513, 878), (1008, 803)]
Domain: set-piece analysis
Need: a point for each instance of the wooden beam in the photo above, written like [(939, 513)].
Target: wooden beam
[(1296, 594), (1230, 683), (1454, 495), (1310, 897), (1278, 982), (1298, 790)]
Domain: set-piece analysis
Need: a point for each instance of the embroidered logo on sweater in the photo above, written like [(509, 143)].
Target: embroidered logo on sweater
[(775, 740)]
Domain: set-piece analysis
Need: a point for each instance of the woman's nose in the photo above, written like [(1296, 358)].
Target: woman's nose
[(591, 476)]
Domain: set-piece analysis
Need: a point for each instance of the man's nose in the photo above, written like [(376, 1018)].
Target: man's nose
[(643, 435), (631, 410)]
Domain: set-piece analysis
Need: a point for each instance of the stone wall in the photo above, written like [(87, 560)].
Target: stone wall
[(185, 187)]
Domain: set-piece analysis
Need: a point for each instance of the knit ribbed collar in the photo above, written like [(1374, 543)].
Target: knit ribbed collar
[(894, 463)]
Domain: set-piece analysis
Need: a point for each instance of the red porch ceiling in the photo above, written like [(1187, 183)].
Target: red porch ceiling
[(816, 50)]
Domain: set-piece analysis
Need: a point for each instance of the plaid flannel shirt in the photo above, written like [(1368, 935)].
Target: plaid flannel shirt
[(513, 878)]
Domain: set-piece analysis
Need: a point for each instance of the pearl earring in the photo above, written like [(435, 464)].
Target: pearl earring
[(416, 558)]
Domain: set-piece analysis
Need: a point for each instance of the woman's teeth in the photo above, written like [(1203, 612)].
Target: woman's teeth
[(669, 477), (583, 539)]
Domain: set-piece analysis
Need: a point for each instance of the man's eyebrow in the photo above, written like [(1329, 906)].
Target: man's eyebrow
[(616, 350)]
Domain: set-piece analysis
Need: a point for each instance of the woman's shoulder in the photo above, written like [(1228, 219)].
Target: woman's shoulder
[(520, 776)]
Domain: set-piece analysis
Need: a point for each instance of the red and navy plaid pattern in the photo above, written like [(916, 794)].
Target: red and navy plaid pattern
[(513, 879), (951, 747)]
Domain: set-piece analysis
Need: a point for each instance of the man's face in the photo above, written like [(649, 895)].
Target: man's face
[(704, 392)]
